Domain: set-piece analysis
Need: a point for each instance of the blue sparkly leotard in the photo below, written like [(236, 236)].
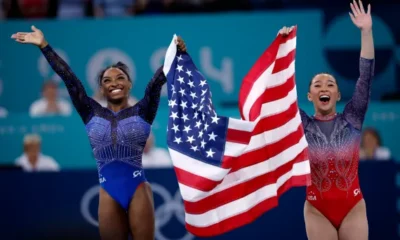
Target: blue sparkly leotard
[(117, 138)]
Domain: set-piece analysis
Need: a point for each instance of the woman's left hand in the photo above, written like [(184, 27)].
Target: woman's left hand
[(181, 44), (359, 17)]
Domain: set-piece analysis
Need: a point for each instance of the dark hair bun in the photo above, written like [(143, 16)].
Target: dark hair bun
[(122, 65)]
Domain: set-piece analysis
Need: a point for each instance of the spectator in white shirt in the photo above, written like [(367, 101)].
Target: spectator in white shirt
[(50, 104), (3, 112), (154, 157), (2, 10), (32, 160)]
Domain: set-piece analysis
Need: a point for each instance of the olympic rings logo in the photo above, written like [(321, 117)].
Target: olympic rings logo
[(171, 206), (85, 204)]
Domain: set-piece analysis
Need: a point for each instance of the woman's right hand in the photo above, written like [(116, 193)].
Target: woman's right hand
[(285, 30), (36, 37)]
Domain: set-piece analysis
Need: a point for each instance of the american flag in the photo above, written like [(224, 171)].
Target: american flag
[(231, 171)]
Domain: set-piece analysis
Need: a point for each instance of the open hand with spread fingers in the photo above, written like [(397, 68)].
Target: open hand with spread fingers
[(35, 37), (359, 17)]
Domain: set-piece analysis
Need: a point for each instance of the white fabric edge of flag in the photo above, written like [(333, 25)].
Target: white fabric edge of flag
[(170, 55)]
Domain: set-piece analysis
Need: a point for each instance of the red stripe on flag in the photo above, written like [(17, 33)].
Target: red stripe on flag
[(250, 215), (241, 190), (263, 154), (262, 64), (270, 95), (276, 92), (265, 124), (269, 151), (284, 62), (238, 136), (195, 181), (266, 59)]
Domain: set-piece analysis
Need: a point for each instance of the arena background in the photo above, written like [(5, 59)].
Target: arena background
[(224, 44)]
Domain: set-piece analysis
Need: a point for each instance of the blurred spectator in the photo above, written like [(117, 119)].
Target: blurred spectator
[(154, 157), (3, 13), (34, 8), (71, 9), (32, 160), (103, 102), (268, 4), (113, 8), (167, 6), (371, 146), (3, 112), (9, 9), (50, 104), (226, 5)]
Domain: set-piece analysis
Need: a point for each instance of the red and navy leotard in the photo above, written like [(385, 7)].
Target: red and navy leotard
[(117, 138), (334, 152)]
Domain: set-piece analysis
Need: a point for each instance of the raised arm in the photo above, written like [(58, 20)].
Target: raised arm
[(83, 104), (148, 105), (305, 119), (356, 108)]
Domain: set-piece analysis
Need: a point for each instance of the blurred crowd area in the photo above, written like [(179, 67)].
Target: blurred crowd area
[(72, 9), (109, 8)]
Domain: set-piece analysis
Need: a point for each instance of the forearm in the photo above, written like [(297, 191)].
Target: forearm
[(152, 96), (59, 65), (367, 44), (356, 108), (74, 85), (304, 117), (153, 91)]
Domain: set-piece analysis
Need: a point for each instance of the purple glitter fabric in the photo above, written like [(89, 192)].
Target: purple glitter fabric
[(334, 157)]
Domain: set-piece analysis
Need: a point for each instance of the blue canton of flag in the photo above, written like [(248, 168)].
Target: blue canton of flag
[(194, 128)]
